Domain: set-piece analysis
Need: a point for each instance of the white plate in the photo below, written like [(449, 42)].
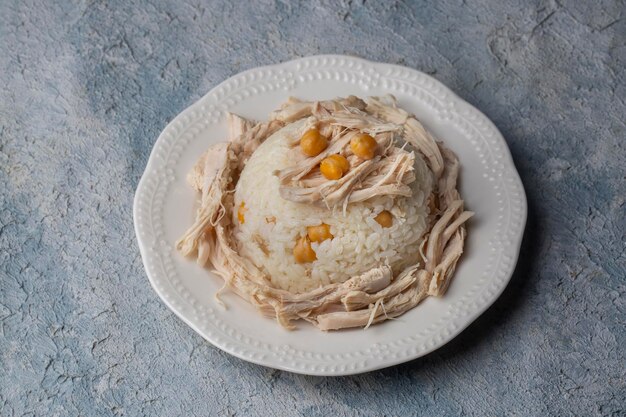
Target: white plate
[(164, 208)]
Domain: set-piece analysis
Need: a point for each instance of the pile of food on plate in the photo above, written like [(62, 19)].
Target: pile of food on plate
[(343, 212)]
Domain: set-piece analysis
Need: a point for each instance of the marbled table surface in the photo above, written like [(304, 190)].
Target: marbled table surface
[(85, 89)]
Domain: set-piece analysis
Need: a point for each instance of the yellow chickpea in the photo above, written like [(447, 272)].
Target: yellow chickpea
[(319, 233), (312, 142), (342, 161), (363, 146), (384, 218), (303, 251), (331, 169), (241, 213), (334, 167)]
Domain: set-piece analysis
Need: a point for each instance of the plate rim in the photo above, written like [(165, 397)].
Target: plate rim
[(379, 67)]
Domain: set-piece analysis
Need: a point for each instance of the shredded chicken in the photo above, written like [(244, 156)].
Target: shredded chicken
[(387, 174), (369, 298)]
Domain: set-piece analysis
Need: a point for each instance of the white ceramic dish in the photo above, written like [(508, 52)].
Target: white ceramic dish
[(164, 208)]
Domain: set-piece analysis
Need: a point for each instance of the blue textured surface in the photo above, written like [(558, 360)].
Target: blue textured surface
[(84, 91)]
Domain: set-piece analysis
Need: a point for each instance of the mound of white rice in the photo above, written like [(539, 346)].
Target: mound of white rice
[(273, 225)]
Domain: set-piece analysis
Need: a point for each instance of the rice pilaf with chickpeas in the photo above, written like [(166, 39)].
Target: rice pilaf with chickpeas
[(343, 212)]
